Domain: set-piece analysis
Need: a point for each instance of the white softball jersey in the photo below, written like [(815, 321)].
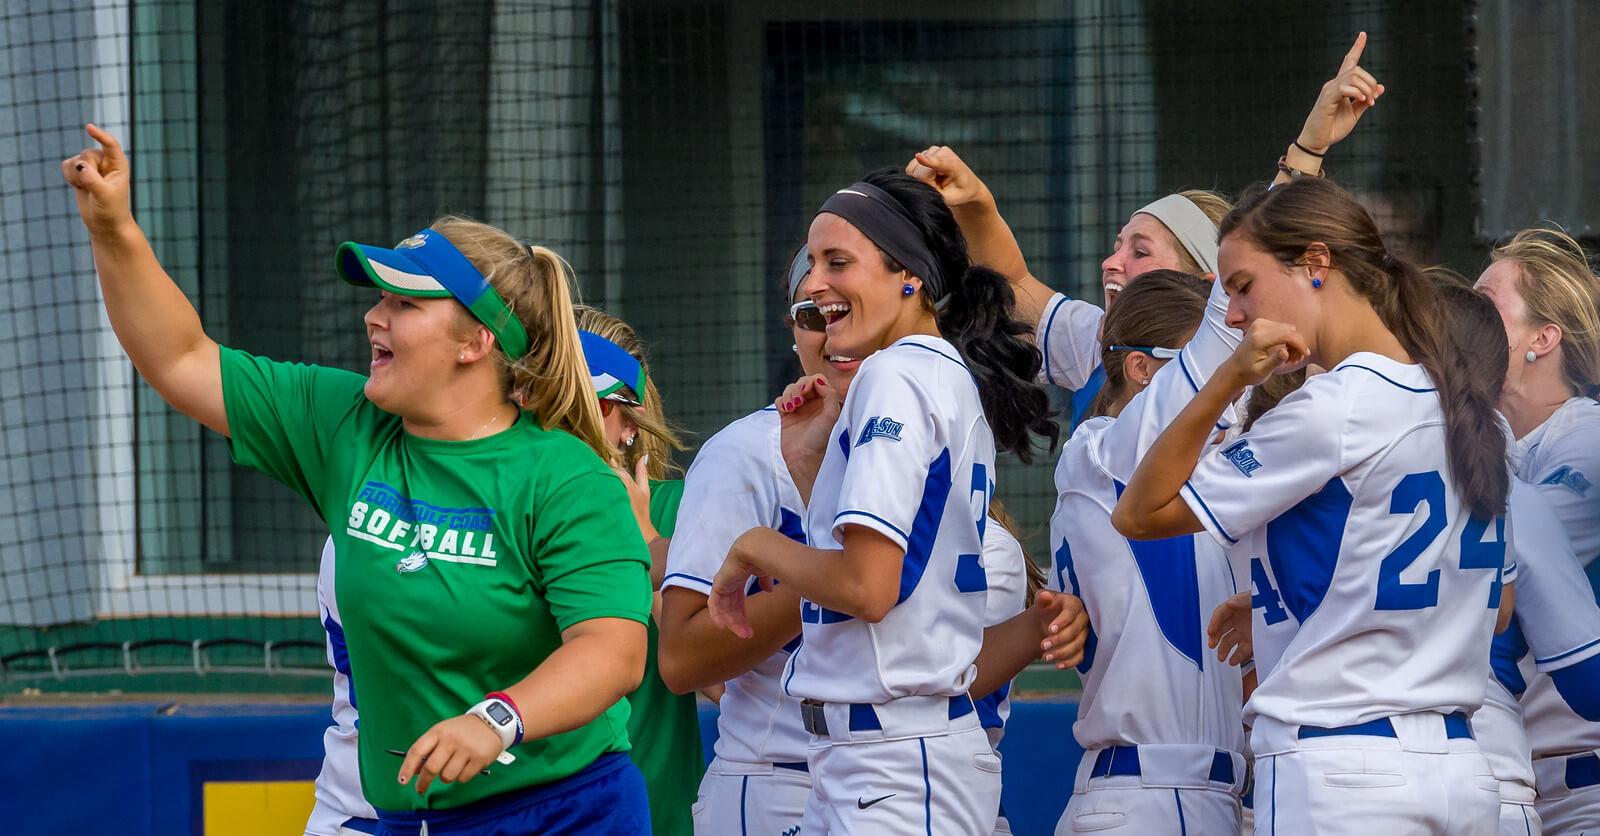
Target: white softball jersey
[(338, 786), (1560, 457), (1391, 585), (912, 459), (1005, 566), (1148, 677), (1559, 683), (1068, 335), (1555, 630), (739, 481)]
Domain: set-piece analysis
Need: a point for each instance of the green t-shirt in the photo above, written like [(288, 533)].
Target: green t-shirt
[(665, 727), (459, 562)]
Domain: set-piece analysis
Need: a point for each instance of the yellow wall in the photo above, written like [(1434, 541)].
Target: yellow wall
[(257, 808)]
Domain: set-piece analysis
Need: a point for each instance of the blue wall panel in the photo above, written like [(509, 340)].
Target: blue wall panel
[(139, 768)]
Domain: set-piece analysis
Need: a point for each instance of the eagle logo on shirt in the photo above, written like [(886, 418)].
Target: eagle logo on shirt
[(413, 562), (1242, 457), (1568, 478), (884, 427)]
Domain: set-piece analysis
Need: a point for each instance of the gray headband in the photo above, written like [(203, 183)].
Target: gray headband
[(1195, 232), (799, 268), (883, 220)]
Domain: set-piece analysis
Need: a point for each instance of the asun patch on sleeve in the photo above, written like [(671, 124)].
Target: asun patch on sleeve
[(1242, 457), (884, 427), (1568, 478)]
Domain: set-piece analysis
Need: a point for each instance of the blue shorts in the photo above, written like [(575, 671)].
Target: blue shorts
[(607, 796)]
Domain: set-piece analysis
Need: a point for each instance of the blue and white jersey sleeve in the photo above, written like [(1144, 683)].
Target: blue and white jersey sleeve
[(1563, 461), (1556, 610), (1288, 455), (338, 785), (1142, 421), (1069, 338), (895, 448), (738, 481)]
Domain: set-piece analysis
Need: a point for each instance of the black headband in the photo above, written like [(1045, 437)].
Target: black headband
[(883, 220)]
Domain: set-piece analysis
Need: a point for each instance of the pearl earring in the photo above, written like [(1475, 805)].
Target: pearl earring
[(907, 289), (1530, 356), (629, 442), (794, 347)]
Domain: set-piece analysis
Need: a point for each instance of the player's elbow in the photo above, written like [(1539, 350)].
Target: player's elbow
[(677, 668), (875, 605), (1126, 522)]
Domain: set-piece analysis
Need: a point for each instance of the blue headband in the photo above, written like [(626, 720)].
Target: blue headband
[(610, 367)]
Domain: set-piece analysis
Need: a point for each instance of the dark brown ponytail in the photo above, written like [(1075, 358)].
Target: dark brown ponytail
[(1288, 219)]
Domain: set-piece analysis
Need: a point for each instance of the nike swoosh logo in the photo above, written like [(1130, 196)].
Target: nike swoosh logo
[(865, 804)]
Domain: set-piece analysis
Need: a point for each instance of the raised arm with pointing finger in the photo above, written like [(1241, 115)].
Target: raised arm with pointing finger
[(437, 488)]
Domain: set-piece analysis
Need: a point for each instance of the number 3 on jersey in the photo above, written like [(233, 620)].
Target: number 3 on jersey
[(1408, 497)]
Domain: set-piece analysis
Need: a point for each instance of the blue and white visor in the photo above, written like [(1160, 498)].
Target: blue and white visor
[(611, 369), (429, 266)]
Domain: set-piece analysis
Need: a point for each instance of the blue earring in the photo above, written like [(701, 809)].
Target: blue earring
[(1315, 283), (907, 290)]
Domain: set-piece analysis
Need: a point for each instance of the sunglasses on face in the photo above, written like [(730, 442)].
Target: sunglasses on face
[(1153, 351), (807, 316), (610, 402)]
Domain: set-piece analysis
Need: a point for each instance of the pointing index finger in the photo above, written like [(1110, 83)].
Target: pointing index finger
[(1353, 57), (106, 140)]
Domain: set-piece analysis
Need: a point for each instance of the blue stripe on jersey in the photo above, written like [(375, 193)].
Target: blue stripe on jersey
[(1232, 540), (791, 525), (925, 526), (1064, 564), (689, 576), (341, 653), (1183, 366), (1504, 652), (1386, 378), (989, 708), (1044, 339), (744, 792), (1559, 656), (1172, 583), (1083, 399), (1303, 545), (927, 788), (889, 525), (945, 356), (1579, 686), (970, 576), (844, 444)]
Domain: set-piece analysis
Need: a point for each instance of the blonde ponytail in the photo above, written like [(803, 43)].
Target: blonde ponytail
[(551, 380), (658, 438)]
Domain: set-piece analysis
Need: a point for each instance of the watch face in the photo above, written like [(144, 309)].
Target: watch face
[(498, 713)]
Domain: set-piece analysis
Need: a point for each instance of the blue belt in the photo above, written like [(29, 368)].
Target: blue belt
[(797, 766), (863, 717), (1583, 771), (361, 825), (1124, 760), (1456, 727)]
